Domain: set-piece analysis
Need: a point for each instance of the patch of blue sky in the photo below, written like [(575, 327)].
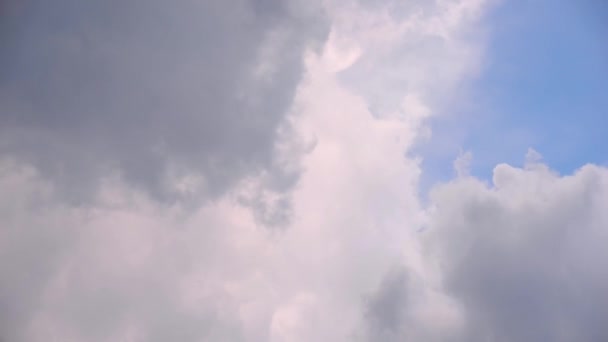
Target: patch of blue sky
[(544, 85)]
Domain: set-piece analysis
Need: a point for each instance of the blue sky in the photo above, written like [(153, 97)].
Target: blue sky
[(544, 85)]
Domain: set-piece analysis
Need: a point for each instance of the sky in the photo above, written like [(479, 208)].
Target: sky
[(542, 86), (296, 170)]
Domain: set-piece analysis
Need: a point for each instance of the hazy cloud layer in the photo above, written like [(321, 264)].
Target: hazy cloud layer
[(159, 93)]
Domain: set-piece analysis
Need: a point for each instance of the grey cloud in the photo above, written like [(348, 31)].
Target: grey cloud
[(32, 247), (150, 90), (400, 9), (68, 275), (386, 308), (526, 258)]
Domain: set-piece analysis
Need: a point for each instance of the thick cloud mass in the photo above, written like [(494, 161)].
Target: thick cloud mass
[(160, 93), (120, 100), (519, 260), (127, 268), (526, 257)]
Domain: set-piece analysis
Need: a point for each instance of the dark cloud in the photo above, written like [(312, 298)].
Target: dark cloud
[(522, 261), (156, 93), (151, 91), (525, 258), (386, 309)]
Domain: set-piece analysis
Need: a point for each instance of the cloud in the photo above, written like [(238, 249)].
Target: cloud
[(362, 259), (387, 309), (157, 93), (523, 257), (517, 260), (133, 268), (418, 48)]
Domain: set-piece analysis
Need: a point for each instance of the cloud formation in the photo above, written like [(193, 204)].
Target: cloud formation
[(132, 268), (524, 256), (160, 94), (131, 103)]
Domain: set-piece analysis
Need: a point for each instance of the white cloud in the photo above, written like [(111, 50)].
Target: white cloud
[(462, 164)]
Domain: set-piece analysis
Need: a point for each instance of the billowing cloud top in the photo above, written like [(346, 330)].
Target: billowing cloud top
[(243, 171)]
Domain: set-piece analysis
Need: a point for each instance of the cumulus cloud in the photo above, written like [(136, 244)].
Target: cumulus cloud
[(159, 93), (143, 102), (133, 268), (516, 260), (524, 256), (423, 49)]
